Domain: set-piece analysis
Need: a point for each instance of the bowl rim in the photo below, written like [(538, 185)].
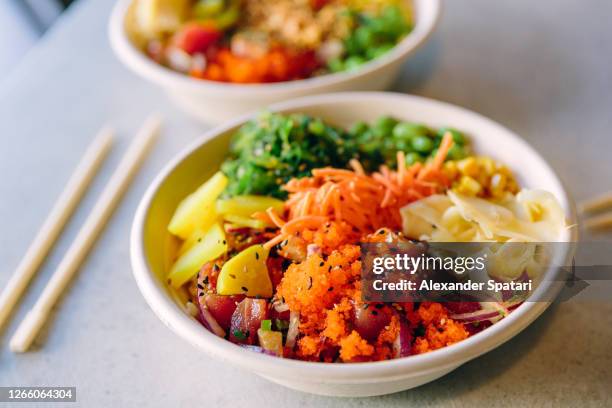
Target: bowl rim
[(141, 64), (192, 331)]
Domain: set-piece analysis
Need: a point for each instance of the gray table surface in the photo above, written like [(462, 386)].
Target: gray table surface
[(540, 68)]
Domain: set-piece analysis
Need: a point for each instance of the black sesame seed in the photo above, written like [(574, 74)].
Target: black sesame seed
[(205, 280), (232, 276), (322, 263), (329, 269), (382, 232), (379, 306), (330, 289), (216, 267), (245, 288), (224, 242), (257, 255), (200, 286), (374, 312)]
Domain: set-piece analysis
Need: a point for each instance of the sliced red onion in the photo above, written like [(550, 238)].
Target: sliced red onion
[(294, 325), (198, 62), (478, 316), (178, 59), (210, 322), (403, 342), (258, 349)]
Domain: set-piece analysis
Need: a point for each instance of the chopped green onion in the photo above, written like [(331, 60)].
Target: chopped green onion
[(266, 325)]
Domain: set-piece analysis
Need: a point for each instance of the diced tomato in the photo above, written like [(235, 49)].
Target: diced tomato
[(221, 307), (196, 37), (247, 319), (370, 319), (275, 269), (462, 307), (279, 315), (277, 65), (207, 277)]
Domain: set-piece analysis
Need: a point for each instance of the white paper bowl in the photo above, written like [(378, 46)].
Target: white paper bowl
[(215, 102), (150, 239)]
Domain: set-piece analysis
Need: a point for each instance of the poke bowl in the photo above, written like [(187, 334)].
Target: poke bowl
[(350, 361), (216, 70)]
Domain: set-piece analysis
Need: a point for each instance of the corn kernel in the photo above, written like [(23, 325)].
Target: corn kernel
[(451, 170), (468, 167), (497, 185), (468, 186), (486, 164)]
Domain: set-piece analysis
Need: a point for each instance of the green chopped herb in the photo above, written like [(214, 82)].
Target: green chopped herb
[(266, 325), (240, 335)]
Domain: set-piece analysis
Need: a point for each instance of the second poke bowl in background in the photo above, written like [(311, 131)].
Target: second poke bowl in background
[(214, 101)]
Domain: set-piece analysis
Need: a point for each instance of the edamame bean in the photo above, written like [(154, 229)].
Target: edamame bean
[(422, 144)]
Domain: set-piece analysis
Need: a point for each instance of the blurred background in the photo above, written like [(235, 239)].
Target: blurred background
[(22, 23)]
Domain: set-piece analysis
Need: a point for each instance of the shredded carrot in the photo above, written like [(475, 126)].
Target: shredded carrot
[(274, 241), (357, 167), (298, 224), (262, 216), (447, 143), (275, 218), (364, 202)]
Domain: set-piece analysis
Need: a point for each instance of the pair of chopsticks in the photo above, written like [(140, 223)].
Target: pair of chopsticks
[(59, 215), (598, 204)]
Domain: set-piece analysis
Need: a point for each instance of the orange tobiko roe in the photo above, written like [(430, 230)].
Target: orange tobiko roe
[(440, 331), (325, 294)]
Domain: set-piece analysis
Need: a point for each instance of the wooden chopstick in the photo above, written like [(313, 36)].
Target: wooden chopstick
[(55, 222), (36, 317), (599, 221), (597, 203)]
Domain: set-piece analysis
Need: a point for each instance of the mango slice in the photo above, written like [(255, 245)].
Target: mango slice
[(211, 246), (246, 274), (197, 210), (247, 205)]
